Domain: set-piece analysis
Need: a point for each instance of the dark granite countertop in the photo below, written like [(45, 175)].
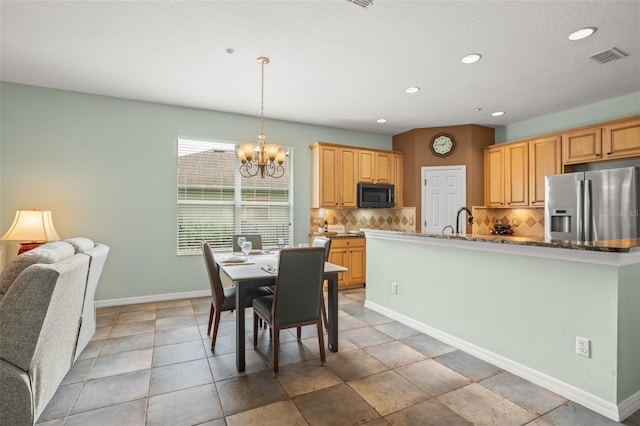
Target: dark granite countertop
[(336, 235), (629, 245)]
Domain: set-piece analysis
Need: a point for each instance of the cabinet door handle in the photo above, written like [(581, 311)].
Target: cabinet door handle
[(609, 153)]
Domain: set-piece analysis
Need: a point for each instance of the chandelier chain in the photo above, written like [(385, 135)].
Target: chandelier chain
[(262, 100)]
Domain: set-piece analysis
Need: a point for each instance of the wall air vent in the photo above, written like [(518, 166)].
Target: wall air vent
[(361, 3), (608, 55)]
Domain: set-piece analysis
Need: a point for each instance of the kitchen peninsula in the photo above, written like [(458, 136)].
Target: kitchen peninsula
[(520, 303)]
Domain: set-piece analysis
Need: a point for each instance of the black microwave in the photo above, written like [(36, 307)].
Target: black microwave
[(376, 195)]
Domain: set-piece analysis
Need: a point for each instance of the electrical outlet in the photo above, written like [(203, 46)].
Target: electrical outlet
[(394, 288), (583, 347)]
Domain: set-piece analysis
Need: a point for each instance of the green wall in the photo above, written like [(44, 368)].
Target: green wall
[(629, 330), (106, 168), (526, 309), (611, 109)]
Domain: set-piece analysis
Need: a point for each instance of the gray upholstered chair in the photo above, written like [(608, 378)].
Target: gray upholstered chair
[(296, 301), (254, 239), (223, 299), (326, 244)]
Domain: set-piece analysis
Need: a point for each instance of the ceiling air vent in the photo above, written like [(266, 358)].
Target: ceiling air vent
[(361, 3), (608, 55)]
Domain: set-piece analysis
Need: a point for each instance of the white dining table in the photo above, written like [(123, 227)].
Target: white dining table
[(253, 273)]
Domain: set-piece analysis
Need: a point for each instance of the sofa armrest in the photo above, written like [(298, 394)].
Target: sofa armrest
[(98, 257)]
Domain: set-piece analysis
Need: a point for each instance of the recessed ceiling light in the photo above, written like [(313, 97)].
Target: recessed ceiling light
[(229, 50), (582, 33), (412, 89), (478, 109), (497, 113), (381, 120), (471, 58)]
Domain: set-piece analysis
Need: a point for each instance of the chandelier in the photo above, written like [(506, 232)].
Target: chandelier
[(266, 158)]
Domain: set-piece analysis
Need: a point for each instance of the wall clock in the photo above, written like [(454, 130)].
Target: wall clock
[(442, 144)]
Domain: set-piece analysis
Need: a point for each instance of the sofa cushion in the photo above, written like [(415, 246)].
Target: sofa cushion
[(80, 244), (46, 253)]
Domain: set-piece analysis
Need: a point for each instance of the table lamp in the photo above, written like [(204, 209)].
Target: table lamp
[(32, 228)]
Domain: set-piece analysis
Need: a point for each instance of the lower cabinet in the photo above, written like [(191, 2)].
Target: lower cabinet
[(350, 253)]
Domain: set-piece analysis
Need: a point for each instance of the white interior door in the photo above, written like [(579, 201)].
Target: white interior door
[(443, 193)]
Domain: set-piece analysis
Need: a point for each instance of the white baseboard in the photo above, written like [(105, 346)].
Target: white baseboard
[(152, 298), (592, 402), (629, 405)]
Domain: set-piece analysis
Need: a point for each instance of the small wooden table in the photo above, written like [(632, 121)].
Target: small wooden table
[(250, 275)]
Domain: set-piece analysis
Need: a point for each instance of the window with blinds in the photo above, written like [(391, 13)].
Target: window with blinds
[(215, 202)]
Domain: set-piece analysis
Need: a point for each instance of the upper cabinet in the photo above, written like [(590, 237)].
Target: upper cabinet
[(606, 141), (375, 166), (494, 176), (337, 169), (582, 146), (514, 172), (334, 176), (517, 174), (544, 159), (621, 140), (398, 164)]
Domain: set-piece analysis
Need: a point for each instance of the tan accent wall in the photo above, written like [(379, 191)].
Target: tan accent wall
[(470, 139)]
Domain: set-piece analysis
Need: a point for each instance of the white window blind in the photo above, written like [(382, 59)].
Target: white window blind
[(215, 202)]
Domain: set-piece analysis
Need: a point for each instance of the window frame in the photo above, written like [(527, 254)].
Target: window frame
[(185, 246)]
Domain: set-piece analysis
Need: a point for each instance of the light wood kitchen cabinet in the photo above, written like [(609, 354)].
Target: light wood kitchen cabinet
[(607, 141), (334, 172), (350, 253), (398, 179), (337, 169), (621, 140), (582, 146), (375, 167), (514, 172), (494, 176), (544, 159), (516, 169)]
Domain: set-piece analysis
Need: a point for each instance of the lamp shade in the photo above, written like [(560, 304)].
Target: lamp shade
[(31, 225)]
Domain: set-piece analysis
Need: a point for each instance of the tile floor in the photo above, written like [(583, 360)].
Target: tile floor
[(150, 364)]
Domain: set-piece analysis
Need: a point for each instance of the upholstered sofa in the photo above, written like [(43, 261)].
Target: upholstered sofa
[(47, 317)]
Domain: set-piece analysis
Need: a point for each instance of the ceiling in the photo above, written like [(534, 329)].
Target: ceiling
[(333, 63)]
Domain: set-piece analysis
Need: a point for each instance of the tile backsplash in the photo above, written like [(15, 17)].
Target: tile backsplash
[(525, 222), (401, 219)]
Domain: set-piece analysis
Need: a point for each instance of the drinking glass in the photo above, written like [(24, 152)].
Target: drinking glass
[(281, 243), (241, 241), (246, 249)]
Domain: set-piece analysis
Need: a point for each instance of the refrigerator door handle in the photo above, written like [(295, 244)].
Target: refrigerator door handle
[(588, 217), (579, 210)]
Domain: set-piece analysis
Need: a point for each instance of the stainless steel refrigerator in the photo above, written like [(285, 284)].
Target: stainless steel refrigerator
[(593, 205)]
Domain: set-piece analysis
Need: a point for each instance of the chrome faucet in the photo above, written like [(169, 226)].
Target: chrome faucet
[(469, 219)]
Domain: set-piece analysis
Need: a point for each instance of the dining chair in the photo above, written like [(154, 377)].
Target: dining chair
[(223, 298), (254, 239), (296, 300), (326, 244)]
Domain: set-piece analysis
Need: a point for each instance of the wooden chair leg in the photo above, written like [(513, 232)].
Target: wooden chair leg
[(216, 323), (210, 319), (323, 358), (323, 310), (299, 333)]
